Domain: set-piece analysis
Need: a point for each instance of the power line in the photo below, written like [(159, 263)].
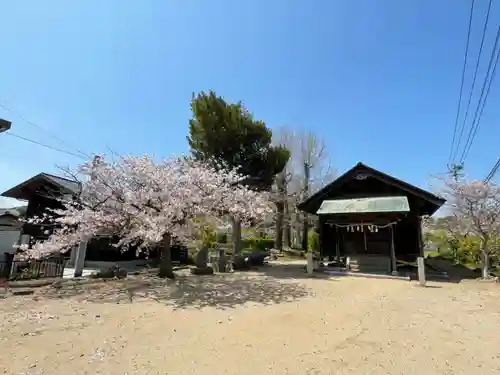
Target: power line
[(473, 80), (44, 145), (42, 129), (493, 171), (462, 83), (492, 67)]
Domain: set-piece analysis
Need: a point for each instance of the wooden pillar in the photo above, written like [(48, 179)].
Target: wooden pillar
[(321, 237), (337, 245), (364, 240), (394, 268), (420, 240), (421, 270)]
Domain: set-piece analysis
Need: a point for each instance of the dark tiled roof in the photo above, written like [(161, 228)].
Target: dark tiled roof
[(316, 198), (24, 190), (70, 185)]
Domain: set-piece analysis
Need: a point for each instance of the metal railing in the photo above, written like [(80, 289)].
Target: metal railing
[(33, 269)]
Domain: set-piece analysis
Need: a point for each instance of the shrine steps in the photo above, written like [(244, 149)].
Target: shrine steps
[(370, 264)]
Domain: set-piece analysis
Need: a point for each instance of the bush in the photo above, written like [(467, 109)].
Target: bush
[(208, 236), (247, 242), (313, 241), (221, 237), (258, 243)]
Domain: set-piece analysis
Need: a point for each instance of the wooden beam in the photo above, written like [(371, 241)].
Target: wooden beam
[(337, 245), (393, 253), (420, 240), (321, 235)]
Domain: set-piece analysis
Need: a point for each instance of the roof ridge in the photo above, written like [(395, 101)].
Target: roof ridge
[(416, 190), (62, 178)]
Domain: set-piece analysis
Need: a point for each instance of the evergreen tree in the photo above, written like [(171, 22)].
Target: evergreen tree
[(228, 133)]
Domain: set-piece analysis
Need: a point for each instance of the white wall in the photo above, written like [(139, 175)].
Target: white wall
[(8, 237), (10, 221)]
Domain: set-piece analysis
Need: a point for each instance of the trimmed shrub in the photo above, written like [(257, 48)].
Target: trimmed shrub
[(313, 241), (258, 243)]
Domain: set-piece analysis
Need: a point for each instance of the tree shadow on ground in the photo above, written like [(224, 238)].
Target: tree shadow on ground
[(221, 291), (289, 271), (454, 273), (297, 271)]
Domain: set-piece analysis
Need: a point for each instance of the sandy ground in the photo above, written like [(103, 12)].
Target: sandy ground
[(254, 323)]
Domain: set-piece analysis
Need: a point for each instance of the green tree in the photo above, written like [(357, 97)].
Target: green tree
[(228, 133)]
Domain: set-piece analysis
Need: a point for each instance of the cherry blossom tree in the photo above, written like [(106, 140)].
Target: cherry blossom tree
[(148, 204), (475, 208)]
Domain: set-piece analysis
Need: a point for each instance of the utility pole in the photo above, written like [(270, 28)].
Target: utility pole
[(457, 171)]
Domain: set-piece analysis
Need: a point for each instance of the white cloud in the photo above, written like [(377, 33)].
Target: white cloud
[(8, 202)]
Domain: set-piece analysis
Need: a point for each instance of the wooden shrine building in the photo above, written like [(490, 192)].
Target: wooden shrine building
[(369, 220)]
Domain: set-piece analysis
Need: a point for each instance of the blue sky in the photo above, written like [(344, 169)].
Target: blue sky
[(378, 80)]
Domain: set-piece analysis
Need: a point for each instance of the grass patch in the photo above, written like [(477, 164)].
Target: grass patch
[(432, 253)]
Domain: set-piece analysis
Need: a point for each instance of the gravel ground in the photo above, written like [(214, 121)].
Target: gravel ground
[(279, 322)]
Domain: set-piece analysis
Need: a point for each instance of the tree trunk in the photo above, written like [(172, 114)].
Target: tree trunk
[(280, 208), (166, 269), (305, 232), (485, 264), (287, 232), (297, 229), (236, 236), (305, 218), (485, 259)]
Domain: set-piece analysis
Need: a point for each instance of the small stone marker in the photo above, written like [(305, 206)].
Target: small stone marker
[(421, 271), (3, 287), (310, 263)]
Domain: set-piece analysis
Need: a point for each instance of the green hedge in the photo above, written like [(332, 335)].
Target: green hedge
[(221, 237), (258, 243), (313, 241)]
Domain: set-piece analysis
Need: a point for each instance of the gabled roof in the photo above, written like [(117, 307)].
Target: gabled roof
[(9, 212), (362, 168), (65, 185), (70, 185)]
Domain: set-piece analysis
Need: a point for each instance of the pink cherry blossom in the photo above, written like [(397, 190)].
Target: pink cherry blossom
[(140, 200), (475, 209)]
